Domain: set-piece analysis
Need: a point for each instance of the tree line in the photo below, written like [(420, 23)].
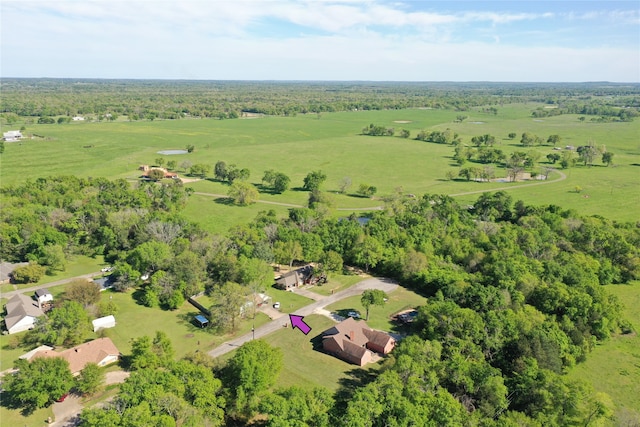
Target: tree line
[(515, 292)]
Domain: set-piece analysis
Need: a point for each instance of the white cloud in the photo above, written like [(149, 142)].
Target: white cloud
[(345, 40)]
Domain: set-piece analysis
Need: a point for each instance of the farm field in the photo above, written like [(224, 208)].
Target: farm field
[(333, 144)]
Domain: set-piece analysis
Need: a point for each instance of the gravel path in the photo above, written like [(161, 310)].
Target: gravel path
[(386, 285)]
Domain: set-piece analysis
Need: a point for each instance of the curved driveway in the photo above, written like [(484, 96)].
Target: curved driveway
[(383, 284)]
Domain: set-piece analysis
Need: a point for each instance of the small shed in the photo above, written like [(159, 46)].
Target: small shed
[(43, 296), (104, 323), (201, 321)]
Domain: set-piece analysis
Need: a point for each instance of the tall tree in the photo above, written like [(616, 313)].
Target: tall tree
[(372, 297), (90, 380), (252, 370), (38, 383), (313, 180), (243, 193), (229, 299), (83, 291)]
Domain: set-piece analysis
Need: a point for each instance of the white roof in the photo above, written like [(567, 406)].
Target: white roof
[(103, 322)]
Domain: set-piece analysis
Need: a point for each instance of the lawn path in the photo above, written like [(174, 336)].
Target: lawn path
[(386, 285), (563, 176)]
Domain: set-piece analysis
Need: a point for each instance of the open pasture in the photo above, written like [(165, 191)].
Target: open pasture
[(332, 143)]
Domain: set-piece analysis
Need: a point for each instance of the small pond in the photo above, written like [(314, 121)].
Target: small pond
[(170, 152)]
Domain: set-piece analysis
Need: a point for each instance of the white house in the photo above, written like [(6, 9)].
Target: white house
[(22, 312), (103, 323), (12, 135), (43, 296)]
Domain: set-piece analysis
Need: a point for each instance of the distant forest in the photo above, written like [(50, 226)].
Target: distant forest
[(175, 99)]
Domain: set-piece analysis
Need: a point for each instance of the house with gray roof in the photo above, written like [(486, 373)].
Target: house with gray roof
[(22, 313)]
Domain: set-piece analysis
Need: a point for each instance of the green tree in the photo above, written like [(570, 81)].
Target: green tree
[(554, 139), (160, 161), (404, 133), (28, 273), (200, 169), (82, 291), (298, 407), (512, 135), (220, 170), (368, 252), (90, 380), (607, 158), (162, 348), (150, 256), (372, 297), (172, 164), (38, 383), (287, 252), (588, 153), (67, 324), (229, 299), (155, 174), (190, 148), (345, 184), (243, 193), (366, 190), (553, 157), (125, 276), (281, 183), (527, 139), (54, 258), (142, 354), (251, 371), (313, 180)]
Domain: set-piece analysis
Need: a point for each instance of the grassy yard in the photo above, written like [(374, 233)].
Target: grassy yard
[(306, 367), (614, 366), (380, 317), (15, 418)]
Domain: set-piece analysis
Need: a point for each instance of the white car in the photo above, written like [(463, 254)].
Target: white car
[(107, 269), (353, 314), (276, 306)]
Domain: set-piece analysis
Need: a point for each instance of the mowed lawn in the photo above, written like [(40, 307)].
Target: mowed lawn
[(380, 316), (307, 367), (614, 366)]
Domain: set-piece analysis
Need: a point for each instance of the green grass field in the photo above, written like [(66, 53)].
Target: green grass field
[(614, 366), (298, 145)]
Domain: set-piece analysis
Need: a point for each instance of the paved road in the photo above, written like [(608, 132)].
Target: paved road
[(50, 284), (386, 285)]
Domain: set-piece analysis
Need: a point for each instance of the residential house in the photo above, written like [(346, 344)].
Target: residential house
[(295, 278), (43, 297), (355, 342), (12, 136), (105, 283), (146, 169), (102, 352), (22, 313)]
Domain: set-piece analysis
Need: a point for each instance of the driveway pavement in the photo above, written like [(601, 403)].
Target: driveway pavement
[(386, 285), (50, 284)]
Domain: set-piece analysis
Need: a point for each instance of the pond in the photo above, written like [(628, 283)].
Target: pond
[(171, 152)]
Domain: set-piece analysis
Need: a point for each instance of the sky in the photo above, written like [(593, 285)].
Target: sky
[(376, 40)]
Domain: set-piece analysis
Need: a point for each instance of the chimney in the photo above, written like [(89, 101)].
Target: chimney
[(351, 335)]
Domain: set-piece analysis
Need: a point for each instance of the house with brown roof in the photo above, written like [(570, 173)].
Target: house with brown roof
[(355, 342), (22, 312), (294, 278), (102, 352)]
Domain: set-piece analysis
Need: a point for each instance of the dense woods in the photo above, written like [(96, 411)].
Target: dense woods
[(154, 99), (516, 297)]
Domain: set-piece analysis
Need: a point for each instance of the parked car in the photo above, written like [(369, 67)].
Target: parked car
[(276, 306), (107, 269), (62, 398), (354, 314)]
